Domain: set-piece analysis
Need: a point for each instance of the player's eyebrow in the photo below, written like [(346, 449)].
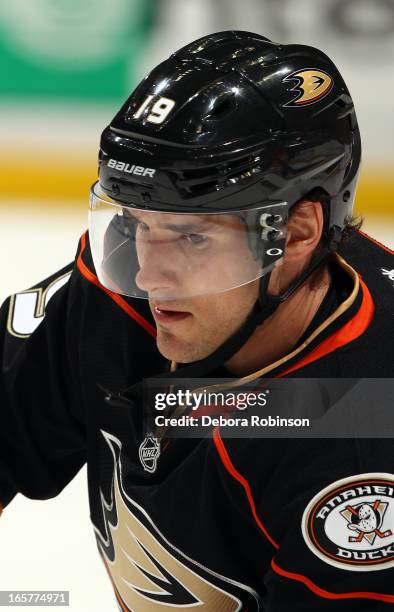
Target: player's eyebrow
[(199, 224), (189, 223), (187, 228)]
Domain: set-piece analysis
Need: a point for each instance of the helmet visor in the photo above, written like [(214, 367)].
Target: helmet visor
[(165, 255)]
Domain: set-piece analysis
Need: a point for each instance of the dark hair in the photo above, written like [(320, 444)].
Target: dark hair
[(352, 223)]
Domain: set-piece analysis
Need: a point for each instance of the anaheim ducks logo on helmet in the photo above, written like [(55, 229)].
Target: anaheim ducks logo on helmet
[(311, 86)]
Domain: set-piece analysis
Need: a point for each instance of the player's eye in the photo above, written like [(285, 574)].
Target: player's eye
[(141, 226), (196, 239), (130, 224)]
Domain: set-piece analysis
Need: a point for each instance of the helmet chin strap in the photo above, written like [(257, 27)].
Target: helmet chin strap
[(265, 306)]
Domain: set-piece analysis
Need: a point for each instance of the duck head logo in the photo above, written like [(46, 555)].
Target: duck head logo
[(365, 520), (311, 86)]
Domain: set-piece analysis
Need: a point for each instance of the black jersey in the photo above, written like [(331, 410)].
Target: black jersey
[(223, 524)]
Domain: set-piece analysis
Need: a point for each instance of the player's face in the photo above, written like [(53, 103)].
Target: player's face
[(189, 329), (183, 256), (198, 326)]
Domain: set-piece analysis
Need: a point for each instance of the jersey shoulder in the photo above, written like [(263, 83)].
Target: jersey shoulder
[(375, 264), (370, 355), (26, 308)]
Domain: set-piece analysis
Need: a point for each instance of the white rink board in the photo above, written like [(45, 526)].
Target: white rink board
[(50, 545)]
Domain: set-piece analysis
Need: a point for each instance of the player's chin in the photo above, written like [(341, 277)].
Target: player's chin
[(177, 348)]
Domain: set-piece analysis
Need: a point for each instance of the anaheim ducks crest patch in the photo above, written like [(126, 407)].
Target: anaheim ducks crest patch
[(311, 85), (350, 523)]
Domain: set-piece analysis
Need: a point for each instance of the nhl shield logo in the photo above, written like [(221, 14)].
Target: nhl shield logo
[(149, 453), (350, 524)]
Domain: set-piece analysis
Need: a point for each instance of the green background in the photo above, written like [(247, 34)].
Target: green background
[(71, 49)]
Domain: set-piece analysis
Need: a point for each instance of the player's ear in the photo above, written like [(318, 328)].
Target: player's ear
[(304, 230)]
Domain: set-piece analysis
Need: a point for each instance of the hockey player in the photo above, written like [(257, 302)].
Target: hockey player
[(216, 247)]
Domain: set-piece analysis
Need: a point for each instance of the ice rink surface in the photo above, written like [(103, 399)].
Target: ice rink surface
[(50, 545)]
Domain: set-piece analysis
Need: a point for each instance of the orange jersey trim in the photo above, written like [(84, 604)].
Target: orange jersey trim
[(285, 574), (352, 330), (221, 449), (382, 246), (328, 594), (349, 332), (92, 278)]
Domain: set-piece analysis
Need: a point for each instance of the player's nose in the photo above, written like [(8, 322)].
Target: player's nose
[(155, 274)]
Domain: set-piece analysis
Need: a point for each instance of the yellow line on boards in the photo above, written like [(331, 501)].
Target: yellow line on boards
[(62, 178)]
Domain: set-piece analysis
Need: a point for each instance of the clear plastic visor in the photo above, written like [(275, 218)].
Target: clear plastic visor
[(167, 256)]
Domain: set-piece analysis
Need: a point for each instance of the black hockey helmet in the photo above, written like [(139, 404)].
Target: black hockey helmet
[(230, 121), (230, 124)]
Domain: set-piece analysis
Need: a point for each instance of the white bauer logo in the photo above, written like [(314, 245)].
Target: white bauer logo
[(131, 168)]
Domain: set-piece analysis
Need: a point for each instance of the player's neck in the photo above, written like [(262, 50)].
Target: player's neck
[(276, 337)]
